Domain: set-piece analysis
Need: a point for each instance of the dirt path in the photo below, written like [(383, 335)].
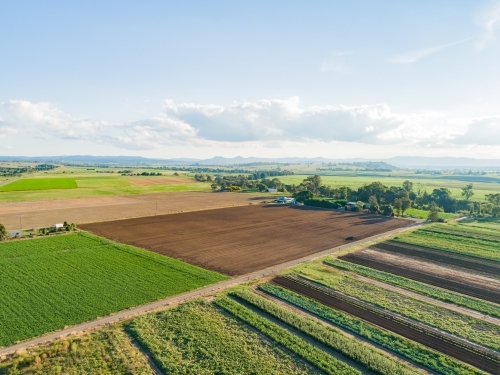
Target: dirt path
[(161, 304), (156, 370), (449, 306)]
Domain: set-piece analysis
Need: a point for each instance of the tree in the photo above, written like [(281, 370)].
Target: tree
[(405, 204), (214, 186), (303, 195), (3, 233), (408, 186), (344, 192), (261, 187), (433, 213), (387, 210), (398, 205), (372, 201), (468, 191), (312, 183)]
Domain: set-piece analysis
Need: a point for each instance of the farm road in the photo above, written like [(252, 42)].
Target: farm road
[(421, 297), (161, 304)]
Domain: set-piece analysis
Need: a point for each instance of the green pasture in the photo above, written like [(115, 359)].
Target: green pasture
[(52, 282), (28, 184), (423, 214)]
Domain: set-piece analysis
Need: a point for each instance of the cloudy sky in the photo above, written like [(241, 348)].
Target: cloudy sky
[(251, 78)]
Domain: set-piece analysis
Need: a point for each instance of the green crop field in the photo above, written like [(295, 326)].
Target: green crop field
[(39, 184), (196, 338), (52, 282), (107, 351)]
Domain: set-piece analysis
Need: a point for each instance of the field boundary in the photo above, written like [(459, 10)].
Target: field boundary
[(164, 303)]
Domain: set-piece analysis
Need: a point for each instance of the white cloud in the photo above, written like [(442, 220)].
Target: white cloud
[(273, 123), (413, 56), (488, 18)]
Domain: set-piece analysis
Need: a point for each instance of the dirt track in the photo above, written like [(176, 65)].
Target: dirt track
[(87, 210), (239, 240), (432, 339)]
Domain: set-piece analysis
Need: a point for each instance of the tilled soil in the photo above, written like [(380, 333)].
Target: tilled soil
[(471, 263), (240, 240), (459, 281), (416, 333), (87, 210)]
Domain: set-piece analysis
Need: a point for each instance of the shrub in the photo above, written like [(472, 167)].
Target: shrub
[(321, 203)]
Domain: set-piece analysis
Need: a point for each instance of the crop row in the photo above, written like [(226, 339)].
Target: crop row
[(197, 338), (368, 357), (293, 343), (464, 232), (415, 286), (481, 248), (407, 348), (467, 327)]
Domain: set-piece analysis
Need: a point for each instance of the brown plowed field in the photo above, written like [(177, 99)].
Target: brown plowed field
[(470, 284), (87, 210), (473, 264), (240, 240), (417, 333)]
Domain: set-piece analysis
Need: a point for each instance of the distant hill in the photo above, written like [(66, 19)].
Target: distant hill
[(412, 162)]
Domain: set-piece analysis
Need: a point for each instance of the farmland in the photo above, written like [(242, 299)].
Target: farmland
[(39, 184), (198, 337), (477, 356), (239, 240), (107, 351), (68, 279)]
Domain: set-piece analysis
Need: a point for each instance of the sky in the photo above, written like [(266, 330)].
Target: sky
[(198, 79)]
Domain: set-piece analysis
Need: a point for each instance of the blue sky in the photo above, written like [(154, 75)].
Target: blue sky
[(251, 78)]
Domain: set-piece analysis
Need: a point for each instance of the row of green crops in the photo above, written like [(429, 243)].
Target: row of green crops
[(465, 230), (415, 286), (293, 343), (52, 282), (467, 327), (363, 354), (197, 338), (478, 247), (40, 184), (407, 348), (107, 351)]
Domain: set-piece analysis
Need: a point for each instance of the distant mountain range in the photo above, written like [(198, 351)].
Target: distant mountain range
[(398, 161)]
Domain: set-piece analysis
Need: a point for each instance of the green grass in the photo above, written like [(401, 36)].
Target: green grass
[(368, 357), (28, 184), (418, 287), (418, 353), (293, 343), (52, 282), (107, 351), (461, 325), (196, 338), (423, 214), (433, 238)]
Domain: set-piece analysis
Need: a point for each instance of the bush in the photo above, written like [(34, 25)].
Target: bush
[(321, 203), (341, 202), (302, 196)]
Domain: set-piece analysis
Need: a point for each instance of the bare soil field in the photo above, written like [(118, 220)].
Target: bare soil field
[(472, 264), (473, 354), (240, 240), (444, 277), (86, 210), (143, 181)]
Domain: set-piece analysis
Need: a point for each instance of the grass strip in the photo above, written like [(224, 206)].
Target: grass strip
[(298, 346), (361, 353), (407, 348), (415, 286)]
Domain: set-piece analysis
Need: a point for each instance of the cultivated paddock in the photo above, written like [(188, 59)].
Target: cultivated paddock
[(86, 210), (239, 240)]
